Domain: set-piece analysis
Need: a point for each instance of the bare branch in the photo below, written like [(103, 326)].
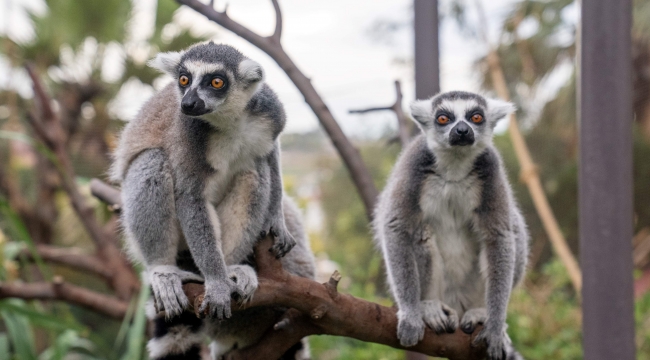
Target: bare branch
[(350, 155), (124, 281), (277, 33), (71, 257), (106, 193), (321, 309), (402, 122), (60, 290)]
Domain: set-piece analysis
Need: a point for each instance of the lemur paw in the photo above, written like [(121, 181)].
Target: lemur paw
[(167, 287), (438, 316), (410, 328), (497, 342), (216, 301), (283, 241), (246, 279), (472, 319)]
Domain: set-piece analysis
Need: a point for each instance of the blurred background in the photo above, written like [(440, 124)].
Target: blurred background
[(91, 56)]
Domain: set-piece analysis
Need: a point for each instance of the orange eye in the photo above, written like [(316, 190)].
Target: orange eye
[(217, 83), (183, 80), (477, 118), (442, 119)]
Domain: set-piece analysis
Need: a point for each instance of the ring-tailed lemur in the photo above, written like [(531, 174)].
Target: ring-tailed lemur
[(453, 240), (200, 174)]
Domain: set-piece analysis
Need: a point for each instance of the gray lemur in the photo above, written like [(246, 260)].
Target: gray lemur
[(453, 240), (200, 174)]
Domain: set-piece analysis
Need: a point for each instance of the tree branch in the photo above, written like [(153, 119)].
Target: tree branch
[(70, 257), (350, 155), (403, 127), (48, 127), (60, 290), (106, 193), (321, 309), (277, 33)]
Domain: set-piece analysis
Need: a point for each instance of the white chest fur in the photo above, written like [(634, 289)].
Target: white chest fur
[(233, 150), (448, 211)]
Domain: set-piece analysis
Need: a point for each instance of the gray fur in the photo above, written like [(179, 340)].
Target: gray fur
[(200, 188), (453, 238)]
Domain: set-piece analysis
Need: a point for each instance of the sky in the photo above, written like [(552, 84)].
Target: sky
[(331, 41)]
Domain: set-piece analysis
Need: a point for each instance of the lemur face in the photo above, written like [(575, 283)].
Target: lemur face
[(458, 119), (212, 79)]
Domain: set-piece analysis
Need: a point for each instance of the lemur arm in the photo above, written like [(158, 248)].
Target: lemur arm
[(201, 228), (149, 219), (284, 241), (495, 223)]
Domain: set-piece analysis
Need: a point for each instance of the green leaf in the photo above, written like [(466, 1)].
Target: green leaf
[(20, 334), (38, 318), (136, 341)]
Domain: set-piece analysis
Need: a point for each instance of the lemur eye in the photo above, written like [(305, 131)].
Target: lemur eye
[(217, 83), (183, 80), (442, 119), (477, 118)]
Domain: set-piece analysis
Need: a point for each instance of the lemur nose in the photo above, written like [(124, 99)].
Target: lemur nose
[(462, 129), (188, 105)]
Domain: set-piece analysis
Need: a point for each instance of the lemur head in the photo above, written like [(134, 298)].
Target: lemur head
[(459, 120), (214, 80)]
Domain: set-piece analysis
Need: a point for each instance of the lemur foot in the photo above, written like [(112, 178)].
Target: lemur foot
[(246, 279), (410, 327), (283, 241), (167, 287), (439, 317), (216, 301), (499, 345), (472, 319)]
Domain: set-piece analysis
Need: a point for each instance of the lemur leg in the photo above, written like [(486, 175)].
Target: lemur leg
[(150, 220), (177, 338)]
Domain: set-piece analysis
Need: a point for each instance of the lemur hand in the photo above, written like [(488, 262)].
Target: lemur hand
[(245, 278), (496, 340), (167, 286), (438, 316), (216, 301), (283, 241), (410, 327)]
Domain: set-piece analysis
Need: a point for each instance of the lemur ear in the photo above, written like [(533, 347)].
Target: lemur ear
[(498, 109), (421, 110), (166, 62), (251, 72)]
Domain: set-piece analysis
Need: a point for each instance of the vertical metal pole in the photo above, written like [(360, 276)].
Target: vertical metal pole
[(427, 69), (605, 179)]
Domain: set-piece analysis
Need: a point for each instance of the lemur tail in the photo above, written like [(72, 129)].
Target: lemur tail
[(177, 338)]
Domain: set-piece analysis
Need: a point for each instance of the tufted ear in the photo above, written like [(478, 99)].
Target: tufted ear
[(251, 72), (498, 109), (422, 111), (166, 62)]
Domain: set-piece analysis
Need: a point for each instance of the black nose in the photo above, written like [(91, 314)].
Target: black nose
[(192, 104), (462, 129)]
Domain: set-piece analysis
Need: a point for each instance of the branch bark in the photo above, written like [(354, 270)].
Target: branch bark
[(60, 290), (273, 47)]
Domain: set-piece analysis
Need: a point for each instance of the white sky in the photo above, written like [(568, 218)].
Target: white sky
[(329, 41)]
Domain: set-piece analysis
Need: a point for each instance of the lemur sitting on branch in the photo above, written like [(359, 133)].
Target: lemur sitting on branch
[(200, 174), (453, 239)]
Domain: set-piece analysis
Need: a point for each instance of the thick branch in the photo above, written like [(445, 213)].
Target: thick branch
[(350, 155), (59, 290), (72, 258), (402, 122), (321, 309), (106, 193)]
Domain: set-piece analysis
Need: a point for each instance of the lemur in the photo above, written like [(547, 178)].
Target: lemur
[(199, 168), (453, 239)]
